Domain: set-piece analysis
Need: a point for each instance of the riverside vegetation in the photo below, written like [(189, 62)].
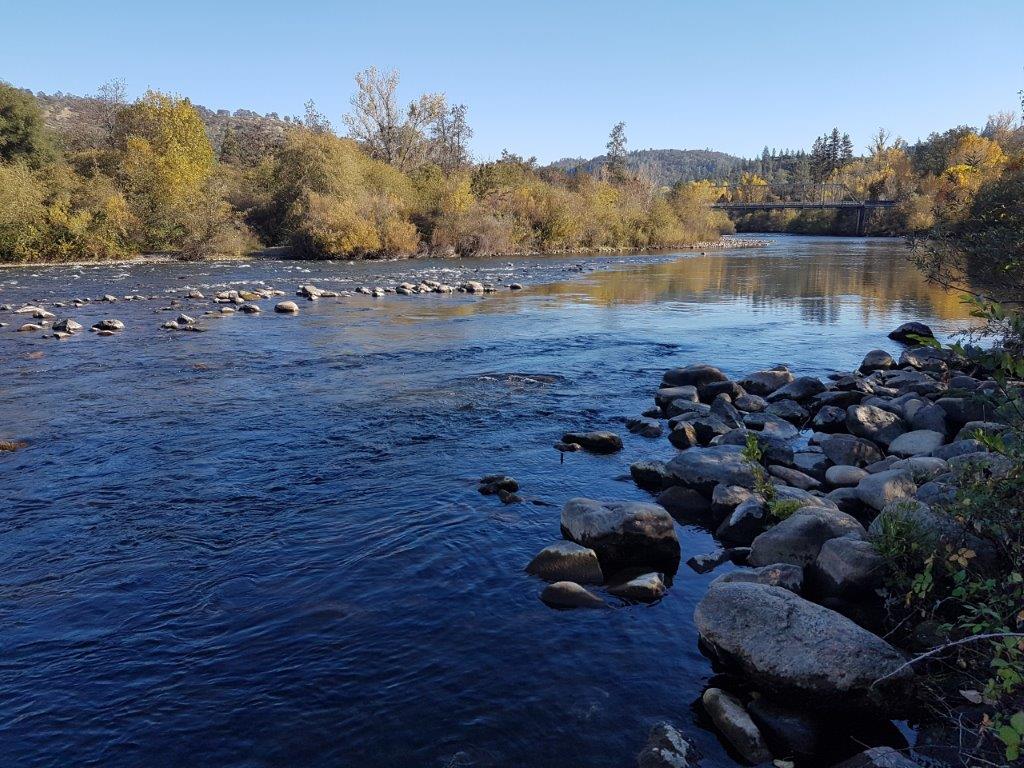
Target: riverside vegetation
[(123, 179)]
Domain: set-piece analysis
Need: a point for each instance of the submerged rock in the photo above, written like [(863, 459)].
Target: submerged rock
[(568, 594), (666, 747), (645, 588), (644, 426), (108, 324)]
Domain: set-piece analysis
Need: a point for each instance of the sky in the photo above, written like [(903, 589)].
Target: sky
[(549, 79)]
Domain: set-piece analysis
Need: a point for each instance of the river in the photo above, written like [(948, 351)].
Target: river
[(263, 545)]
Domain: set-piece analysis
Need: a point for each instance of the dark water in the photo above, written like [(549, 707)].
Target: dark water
[(263, 546)]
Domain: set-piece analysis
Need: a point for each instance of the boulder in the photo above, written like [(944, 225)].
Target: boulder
[(491, 484), (770, 426), (723, 408), (905, 332), (917, 443), (788, 731), (765, 382), (792, 646), (709, 392), (931, 417), (847, 500), (883, 488), (917, 520), (67, 325), (725, 498), (286, 307), (649, 474), (666, 395), (958, 448), (745, 522), (830, 419), (847, 567), (108, 324), (645, 588), (801, 389), (750, 403), (960, 410), (798, 539), (971, 429), (790, 410), (623, 533), (568, 594), (873, 423), (703, 468), (666, 747), (850, 450), (644, 426), (923, 468), (683, 435), (733, 722), (697, 375), (813, 463), (566, 561), (595, 442), (876, 360), (783, 575), (684, 504), (793, 477), (844, 476), (986, 464), (926, 359)]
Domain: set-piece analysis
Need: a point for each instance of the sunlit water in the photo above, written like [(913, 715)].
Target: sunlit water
[(263, 545)]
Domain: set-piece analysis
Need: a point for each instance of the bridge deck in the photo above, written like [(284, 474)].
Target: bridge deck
[(737, 206)]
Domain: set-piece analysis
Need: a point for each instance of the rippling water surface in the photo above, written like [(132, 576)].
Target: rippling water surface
[(263, 546)]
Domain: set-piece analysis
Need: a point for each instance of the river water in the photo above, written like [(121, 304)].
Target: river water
[(263, 545)]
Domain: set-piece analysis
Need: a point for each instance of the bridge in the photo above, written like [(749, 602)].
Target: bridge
[(743, 198)]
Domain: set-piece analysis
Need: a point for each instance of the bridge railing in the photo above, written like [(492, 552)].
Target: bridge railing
[(821, 194)]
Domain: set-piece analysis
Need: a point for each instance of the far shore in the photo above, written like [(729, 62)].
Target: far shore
[(283, 252)]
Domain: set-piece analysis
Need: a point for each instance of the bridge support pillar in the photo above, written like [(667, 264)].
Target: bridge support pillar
[(862, 220)]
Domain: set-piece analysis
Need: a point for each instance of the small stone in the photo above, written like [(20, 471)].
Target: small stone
[(595, 442), (844, 476), (251, 309), (286, 307), (566, 561), (642, 589), (569, 594), (109, 325), (735, 724), (666, 747)]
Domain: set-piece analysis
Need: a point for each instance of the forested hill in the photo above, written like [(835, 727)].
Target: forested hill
[(667, 166), (79, 120)]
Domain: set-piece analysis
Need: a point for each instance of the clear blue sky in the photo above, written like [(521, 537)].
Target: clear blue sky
[(549, 78)]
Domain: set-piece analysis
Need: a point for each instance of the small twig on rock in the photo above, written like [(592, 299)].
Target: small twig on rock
[(945, 646)]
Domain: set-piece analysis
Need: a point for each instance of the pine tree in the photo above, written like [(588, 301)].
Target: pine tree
[(617, 152), (845, 150)]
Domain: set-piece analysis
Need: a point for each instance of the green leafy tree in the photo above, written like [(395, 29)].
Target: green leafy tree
[(22, 135)]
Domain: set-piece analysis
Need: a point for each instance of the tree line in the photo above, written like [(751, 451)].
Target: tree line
[(148, 176)]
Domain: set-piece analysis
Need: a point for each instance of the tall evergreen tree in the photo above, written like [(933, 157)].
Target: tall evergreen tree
[(617, 152)]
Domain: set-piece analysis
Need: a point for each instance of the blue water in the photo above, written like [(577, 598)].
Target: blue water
[(263, 545)]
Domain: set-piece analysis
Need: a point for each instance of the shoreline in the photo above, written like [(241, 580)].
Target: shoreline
[(280, 253)]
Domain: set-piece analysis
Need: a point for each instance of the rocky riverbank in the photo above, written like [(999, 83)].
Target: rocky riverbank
[(803, 481)]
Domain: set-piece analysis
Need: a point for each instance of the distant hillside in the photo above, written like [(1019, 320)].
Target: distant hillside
[(80, 121), (667, 166)]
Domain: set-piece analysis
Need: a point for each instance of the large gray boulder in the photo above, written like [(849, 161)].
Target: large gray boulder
[(623, 533), (874, 423), (792, 646), (883, 488), (920, 442), (732, 720), (905, 333), (704, 468), (798, 539), (566, 561), (875, 360)]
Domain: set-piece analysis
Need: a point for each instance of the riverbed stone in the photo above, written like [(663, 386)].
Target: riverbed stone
[(286, 307), (704, 468), (919, 442), (733, 722), (67, 325), (830, 419), (790, 410), (569, 594), (566, 561), (745, 522), (850, 450), (929, 416), (645, 588), (798, 539), (883, 488), (790, 645), (725, 498), (696, 375), (666, 747), (873, 423), (875, 360), (785, 575), (644, 426), (763, 383), (789, 731), (844, 476), (879, 757), (905, 332), (800, 389), (971, 429), (649, 474), (598, 441), (623, 533), (959, 448), (748, 403), (666, 395), (684, 504), (108, 324), (847, 567), (793, 477), (683, 435), (491, 484)]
